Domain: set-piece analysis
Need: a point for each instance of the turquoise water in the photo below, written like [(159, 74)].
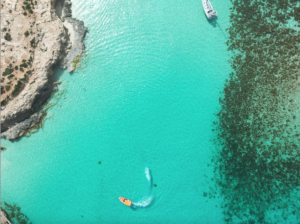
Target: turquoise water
[(145, 96)]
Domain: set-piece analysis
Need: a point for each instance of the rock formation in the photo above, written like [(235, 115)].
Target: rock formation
[(36, 37)]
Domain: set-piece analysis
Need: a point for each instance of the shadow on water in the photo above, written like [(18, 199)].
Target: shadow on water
[(214, 23)]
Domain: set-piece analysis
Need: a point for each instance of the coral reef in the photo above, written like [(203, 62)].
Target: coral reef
[(257, 158)]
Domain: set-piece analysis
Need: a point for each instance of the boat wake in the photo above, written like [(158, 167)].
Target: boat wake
[(145, 201)]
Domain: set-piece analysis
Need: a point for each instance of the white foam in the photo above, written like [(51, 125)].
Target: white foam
[(144, 202), (147, 172)]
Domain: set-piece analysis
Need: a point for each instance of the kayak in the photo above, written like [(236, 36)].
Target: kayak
[(125, 201)]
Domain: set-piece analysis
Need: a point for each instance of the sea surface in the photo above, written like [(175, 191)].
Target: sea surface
[(134, 121)]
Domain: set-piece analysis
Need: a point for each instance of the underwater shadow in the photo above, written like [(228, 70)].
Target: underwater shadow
[(215, 24), (212, 22)]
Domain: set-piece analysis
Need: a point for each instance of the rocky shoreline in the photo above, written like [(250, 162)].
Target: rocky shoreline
[(57, 41)]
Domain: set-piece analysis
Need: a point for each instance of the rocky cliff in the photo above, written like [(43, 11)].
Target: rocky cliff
[(36, 36)]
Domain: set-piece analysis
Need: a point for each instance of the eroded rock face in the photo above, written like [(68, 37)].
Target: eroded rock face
[(23, 128), (49, 42), (76, 38)]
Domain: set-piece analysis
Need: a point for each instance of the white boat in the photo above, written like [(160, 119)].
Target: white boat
[(208, 9)]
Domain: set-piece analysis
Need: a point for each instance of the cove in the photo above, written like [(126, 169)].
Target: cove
[(144, 96)]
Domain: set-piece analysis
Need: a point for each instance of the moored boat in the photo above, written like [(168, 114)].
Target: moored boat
[(208, 9)]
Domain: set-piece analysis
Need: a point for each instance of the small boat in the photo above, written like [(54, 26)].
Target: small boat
[(125, 201), (208, 9)]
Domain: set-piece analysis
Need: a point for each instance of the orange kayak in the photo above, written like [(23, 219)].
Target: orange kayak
[(125, 201)]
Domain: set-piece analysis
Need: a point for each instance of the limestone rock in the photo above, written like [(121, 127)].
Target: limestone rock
[(57, 43)]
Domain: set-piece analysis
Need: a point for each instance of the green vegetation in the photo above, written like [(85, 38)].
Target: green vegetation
[(7, 87), (25, 13), (21, 69), (27, 6), (76, 61), (7, 71), (24, 78), (7, 37), (16, 67), (3, 102), (10, 11), (24, 65), (32, 42), (26, 33), (17, 87), (2, 89), (4, 29), (10, 76)]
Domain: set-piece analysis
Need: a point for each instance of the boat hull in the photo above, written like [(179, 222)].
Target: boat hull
[(125, 201), (208, 9)]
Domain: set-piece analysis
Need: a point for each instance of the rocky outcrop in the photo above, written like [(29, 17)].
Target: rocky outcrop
[(23, 128), (77, 35), (57, 40)]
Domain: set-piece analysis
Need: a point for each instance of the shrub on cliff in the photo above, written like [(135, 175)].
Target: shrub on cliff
[(24, 65), (2, 89), (30, 11), (7, 37), (27, 6), (16, 67), (17, 87), (26, 33), (25, 13), (4, 29), (3, 102), (24, 78), (7, 71), (32, 43), (10, 76), (7, 87), (21, 69)]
